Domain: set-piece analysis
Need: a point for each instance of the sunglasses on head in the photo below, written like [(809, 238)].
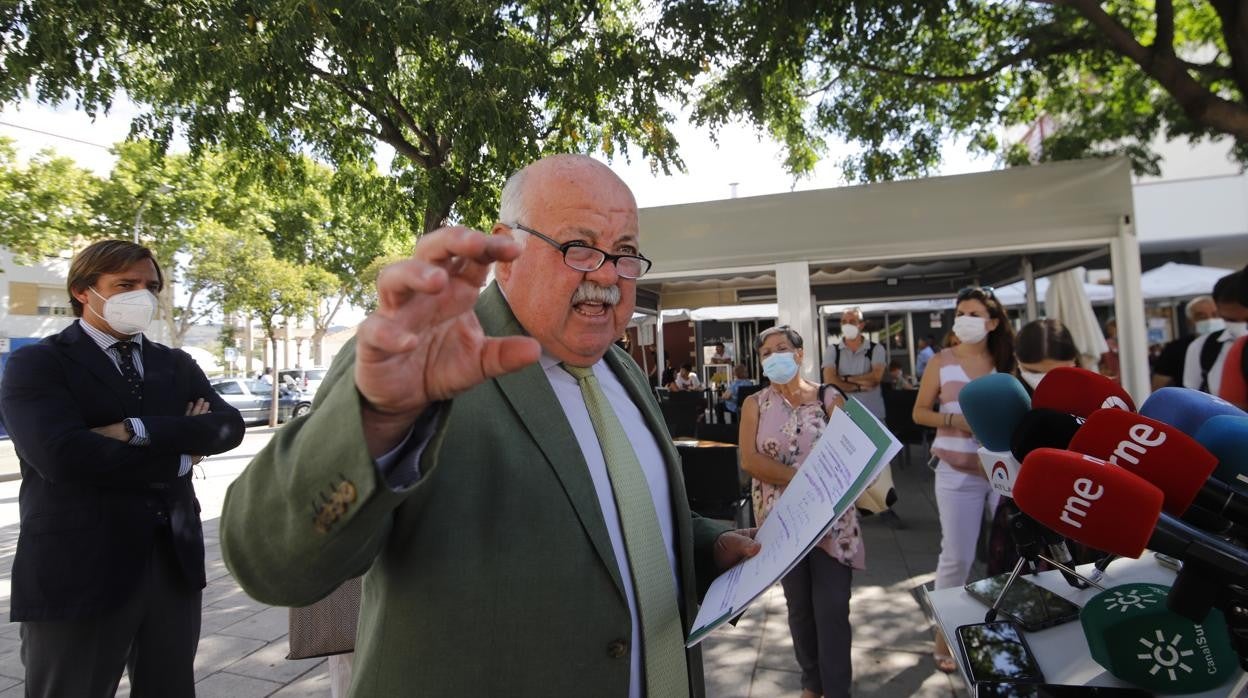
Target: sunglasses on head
[(976, 291)]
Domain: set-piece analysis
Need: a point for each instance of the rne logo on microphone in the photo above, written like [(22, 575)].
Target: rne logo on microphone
[(1142, 438), (1116, 403), (1077, 506)]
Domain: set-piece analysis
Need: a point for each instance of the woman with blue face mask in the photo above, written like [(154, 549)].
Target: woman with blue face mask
[(779, 426)]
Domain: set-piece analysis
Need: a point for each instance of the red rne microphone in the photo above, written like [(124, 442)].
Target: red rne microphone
[(1088, 500), (1079, 392), (1155, 451)]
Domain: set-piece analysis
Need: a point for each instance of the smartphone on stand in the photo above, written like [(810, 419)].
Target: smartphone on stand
[(1031, 606)]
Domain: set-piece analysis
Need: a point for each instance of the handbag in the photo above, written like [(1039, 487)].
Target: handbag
[(327, 626), (880, 495)]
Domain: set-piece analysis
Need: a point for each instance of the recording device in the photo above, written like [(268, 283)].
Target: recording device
[(997, 652), (1079, 392), (1186, 409), (1031, 606), (1164, 456), (1013, 689), (1226, 437), (1108, 508), (1132, 635)]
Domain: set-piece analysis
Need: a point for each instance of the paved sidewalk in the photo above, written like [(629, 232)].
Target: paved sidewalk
[(243, 643)]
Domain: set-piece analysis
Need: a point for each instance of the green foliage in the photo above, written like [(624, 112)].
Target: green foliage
[(899, 78), (44, 204), (464, 92)]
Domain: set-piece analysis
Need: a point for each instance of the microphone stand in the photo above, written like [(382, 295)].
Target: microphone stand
[(1030, 541)]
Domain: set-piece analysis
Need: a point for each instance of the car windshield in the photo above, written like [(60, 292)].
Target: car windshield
[(316, 374)]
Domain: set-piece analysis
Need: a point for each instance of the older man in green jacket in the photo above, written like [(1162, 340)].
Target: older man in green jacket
[(498, 468)]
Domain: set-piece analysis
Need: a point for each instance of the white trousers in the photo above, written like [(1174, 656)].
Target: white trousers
[(963, 500)]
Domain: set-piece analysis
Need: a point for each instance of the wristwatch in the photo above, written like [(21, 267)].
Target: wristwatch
[(129, 428)]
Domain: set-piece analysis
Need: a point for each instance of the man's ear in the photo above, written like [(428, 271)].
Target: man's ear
[(502, 270)]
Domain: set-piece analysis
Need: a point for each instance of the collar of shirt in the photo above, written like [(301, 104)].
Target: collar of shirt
[(105, 340)]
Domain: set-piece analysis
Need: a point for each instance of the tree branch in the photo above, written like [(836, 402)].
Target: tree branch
[(1029, 52), (1197, 102), (390, 132), (1163, 42), (1234, 16), (406, 118)]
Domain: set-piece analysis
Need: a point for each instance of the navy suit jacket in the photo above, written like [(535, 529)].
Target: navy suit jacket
[(91, 505)]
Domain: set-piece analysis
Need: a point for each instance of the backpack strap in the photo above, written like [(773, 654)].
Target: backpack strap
[(823, 389), (1209, 352)]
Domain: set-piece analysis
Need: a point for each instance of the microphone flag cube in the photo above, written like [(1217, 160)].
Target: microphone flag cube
[(1001, 469), (1132, 634)]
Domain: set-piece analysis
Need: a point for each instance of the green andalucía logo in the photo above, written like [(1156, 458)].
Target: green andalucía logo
[(1123, 602), (1136, 638)]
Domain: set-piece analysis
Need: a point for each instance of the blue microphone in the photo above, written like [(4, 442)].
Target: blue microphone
[(1186, 409), (994, 405), (1226, 437)]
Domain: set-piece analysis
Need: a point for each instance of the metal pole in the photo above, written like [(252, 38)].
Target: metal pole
[(138, 219), (1029, 287)]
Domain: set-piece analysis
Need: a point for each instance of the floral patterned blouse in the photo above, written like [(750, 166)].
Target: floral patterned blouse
[(786, 434)]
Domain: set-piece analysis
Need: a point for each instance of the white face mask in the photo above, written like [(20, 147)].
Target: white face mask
[(850, 332), (1237, 329), (970, 329), (1031, 378), (127, 313), (1210, 326)]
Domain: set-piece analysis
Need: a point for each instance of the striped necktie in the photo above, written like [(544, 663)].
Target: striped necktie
[(662, 636)]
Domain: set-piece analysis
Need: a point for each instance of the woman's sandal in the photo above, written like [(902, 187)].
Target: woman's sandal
[(945, 663)]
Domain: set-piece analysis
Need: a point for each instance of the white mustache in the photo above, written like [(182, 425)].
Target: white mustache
[(589, 292)]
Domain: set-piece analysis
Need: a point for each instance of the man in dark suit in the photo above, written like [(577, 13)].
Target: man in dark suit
[(107, 425)]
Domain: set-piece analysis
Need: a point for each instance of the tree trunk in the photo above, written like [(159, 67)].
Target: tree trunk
[(318, 336)]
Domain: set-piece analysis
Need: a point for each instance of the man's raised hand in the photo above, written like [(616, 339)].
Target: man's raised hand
[(424, 343)]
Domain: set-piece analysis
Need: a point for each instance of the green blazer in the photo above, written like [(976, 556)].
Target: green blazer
[(493, 574)]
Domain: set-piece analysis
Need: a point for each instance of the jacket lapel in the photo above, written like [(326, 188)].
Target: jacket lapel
[(84, 351), (532, 398)]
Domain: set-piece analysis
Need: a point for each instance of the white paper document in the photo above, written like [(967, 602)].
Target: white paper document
[(850, 454)]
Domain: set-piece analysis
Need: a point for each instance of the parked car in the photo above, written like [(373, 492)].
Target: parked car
[(252, 399), (305, 380)]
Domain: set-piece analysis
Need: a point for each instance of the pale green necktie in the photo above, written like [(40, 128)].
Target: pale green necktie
[(662, 637)]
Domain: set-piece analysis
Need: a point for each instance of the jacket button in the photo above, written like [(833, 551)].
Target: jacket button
[(617, 649)]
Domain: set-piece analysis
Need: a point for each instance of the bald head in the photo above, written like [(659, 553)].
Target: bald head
[(517, 203)]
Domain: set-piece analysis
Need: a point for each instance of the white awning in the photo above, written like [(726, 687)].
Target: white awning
[(1174, 280)]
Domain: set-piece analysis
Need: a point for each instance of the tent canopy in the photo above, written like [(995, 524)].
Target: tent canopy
[(1055, 206), (921, 239), (1174, 280)]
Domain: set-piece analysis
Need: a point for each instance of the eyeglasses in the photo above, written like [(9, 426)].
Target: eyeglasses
[(972, 291), (586, 258)]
